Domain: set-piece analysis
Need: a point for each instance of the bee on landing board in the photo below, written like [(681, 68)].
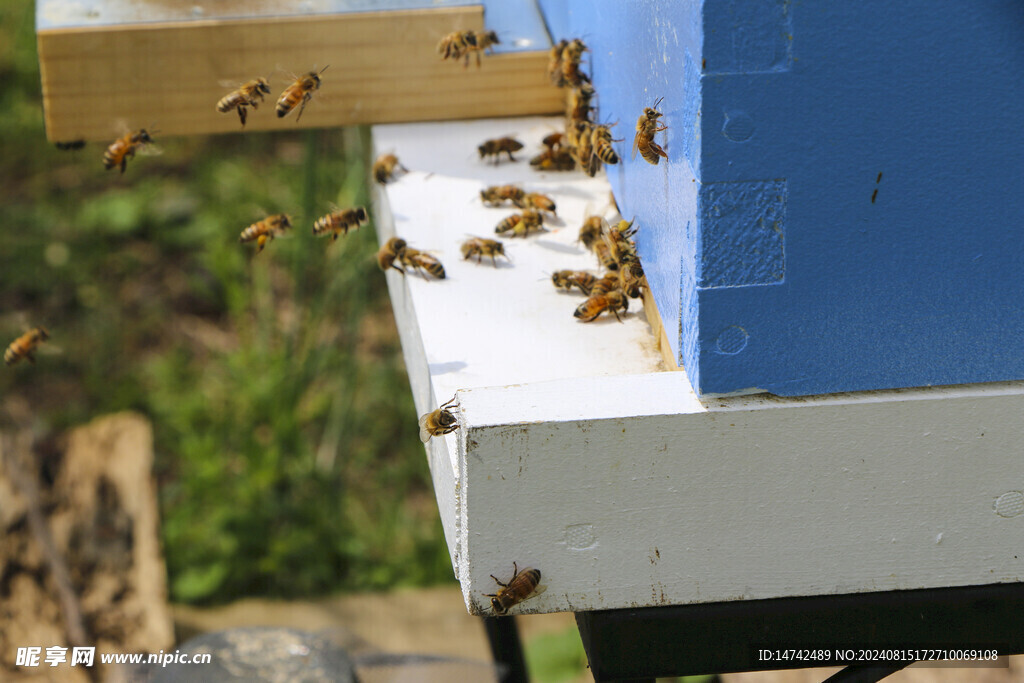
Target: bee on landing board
[(480, 247), (385, 166), (25, 346), (301, 90), (119, 150), (646, 127), (560, 159), (535, 200), (597, 304), (389, 253), (567, 279), (521, 586), (438, 422), (421, 262), (591, 231), (265, 230), (520, 224), (247, 95), (340, 221), (493, 148), (496, 195)]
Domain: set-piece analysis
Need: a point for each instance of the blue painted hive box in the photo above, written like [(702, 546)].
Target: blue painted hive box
[(843, 203)]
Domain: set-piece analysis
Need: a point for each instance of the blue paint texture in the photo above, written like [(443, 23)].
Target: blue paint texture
[(842, 206)]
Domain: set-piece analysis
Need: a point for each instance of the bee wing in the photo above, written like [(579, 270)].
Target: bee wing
[(149, 150), (230, 84), (538, 590), (636, 144), (424, 434)]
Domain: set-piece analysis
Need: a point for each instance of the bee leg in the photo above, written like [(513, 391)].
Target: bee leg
[(497, 581), (261, 242), (305, 98), (30, 358), (493, 261), (242, 114), (515, 572), (124, 163)]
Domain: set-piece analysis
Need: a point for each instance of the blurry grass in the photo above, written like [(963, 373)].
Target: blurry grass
[(285, 432)]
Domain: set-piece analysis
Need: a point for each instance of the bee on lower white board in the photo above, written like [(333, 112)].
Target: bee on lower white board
[(597, 304), (247, 95), (494, 148), (482, 246), (521, 224), (389, 253), (496, 195), (341, 221), (265, 230), (421, 262), (523, 584), (567, 279), (438, 422), (25, 346), (538, 201)]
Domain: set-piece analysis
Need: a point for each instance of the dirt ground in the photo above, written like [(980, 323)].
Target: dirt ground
[(434, 621)]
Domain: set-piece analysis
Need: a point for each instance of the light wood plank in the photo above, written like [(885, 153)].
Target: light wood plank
[(383, 68)]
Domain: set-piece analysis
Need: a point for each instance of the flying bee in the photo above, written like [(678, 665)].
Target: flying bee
[(597, 304), (340, 221), (439, 422), (389, 253), (493, 148), (520, 224), (591, 231), (496, 195), (646, 127), (480, 247), (521, 586), (535, 200), (457, 44), (119, 150), (601, 141), (571, 58), (555, 63), (247, 95), (385, 166), (554, 160), (301, 90), (25, 345), (421, 262), (265, 230), (483, 42), (567, 279)]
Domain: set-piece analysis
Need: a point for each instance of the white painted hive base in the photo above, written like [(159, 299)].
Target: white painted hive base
[(579, 456)]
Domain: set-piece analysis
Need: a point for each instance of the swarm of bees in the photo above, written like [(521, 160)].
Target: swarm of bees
[(25, 346), (460, 44), (396, 249), (438, 422), (523, 584)]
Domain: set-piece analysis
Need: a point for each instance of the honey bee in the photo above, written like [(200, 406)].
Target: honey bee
[(571, 57), (341, 221), (483, 42), (604, 255), (459, 44), (25, 345), (247, 95), (578, 105), (553, 140), (555, 63), (601, 141), (619, 241), (422, 262), (493, 148), (480, 247), (496, 195), (535, 200), (301, 90), (265, 230), (591, 231), (599, 303), (554, 160), (567, 279), (632, 279), (439, 422), (384, 168), (119, 150), (520, 224), (611, 281), (646, 127), (521, 586), (581, 139), (389, 253)]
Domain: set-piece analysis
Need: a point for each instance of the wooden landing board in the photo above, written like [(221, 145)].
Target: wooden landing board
[(580, 456), (384, 67)]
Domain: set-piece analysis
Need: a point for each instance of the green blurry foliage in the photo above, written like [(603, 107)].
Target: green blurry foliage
[(287, 457)]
